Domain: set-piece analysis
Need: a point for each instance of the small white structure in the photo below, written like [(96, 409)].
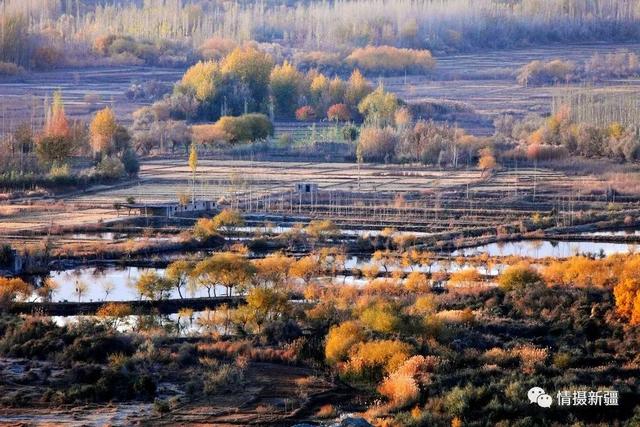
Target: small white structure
[(306, 187), (170, 209)]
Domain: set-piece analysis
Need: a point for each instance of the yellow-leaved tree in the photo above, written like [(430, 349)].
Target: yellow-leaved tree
[(627, 291), (103, 128), (201, 78), (286, 81), (193, 166), (252, 68), (341, 339), (379, 107), (487, 161), (357, 88)]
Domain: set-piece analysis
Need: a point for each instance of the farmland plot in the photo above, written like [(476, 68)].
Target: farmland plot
[(484, 85)]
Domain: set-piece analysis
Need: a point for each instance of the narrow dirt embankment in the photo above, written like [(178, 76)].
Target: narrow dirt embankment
[(164, 306)]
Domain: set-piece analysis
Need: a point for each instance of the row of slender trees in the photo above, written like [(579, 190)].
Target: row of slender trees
[(452, 24)]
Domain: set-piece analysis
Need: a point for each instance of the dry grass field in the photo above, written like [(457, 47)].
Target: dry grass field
[(484, 83)]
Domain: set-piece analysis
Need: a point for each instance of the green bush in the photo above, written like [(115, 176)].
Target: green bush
[(130, 162), (111, 168), (248, 127)]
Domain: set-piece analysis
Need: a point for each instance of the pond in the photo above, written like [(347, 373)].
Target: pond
[(117, 283), (447, 266), (628, 232), (110, 283), (197, 323), (279, 229), (108, 236), (546, 248)]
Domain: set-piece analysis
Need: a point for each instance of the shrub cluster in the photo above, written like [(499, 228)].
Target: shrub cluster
[(391, 60), (538, 73), (560, 135)]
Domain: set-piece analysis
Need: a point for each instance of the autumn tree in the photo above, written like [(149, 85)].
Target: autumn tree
[(338, 113), (103, 128), (193, 166), (417, 282), (320, 92), (56, 143), (179, 273), (390, 59), (385, 258), (226, 269), (357, 88), (381, 317), (273, 270), (245, 128), (338, 90), (228, 220), (373, 359), (252, 69), (321, 229), (185, 313), (286, 81), (305, 113), (80, 289), (306, 268), (424, 305), (341, 339), (487, 161), (57, 123), (47, 289), (627, 291), (266, 305), (12, 289), (465, 278), (201, 80), (377, 144), (332, 260), (209, 134), (402, 118), (518, 277), (379, 107), (204, 229), (370, 271), (114, 314), (152, 286), (217, 47)]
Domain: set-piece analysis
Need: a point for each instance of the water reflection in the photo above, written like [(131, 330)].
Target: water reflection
[(186, 322), (545, 248), (111, 283)]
